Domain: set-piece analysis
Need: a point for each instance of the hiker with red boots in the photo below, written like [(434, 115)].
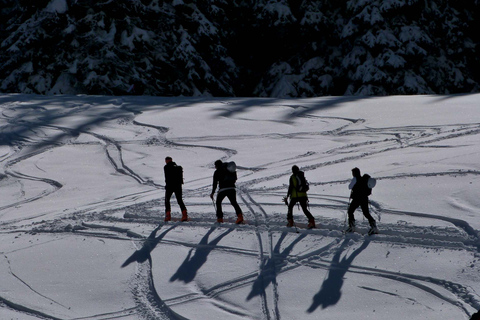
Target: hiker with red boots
[(361, 188), (297, 191), (173, 185), (225, 177)]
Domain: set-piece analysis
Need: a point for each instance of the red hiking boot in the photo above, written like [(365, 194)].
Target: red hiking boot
[(168, 216), (239, 219), (184, 216), (290, 223), (311, 224)]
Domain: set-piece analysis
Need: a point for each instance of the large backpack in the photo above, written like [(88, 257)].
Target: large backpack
[(368, 184), (230, 171), (178, 173), (302, 185)]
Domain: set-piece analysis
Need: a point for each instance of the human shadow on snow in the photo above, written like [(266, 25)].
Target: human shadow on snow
[(190, 266), (143, 254), (331, 289), (268, 272)]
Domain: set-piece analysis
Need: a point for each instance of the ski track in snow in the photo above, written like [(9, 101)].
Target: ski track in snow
[(31, 140)]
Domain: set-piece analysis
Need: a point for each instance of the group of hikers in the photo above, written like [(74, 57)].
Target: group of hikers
[(225, 177)]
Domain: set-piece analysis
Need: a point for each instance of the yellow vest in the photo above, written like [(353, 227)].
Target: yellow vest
[(295, 193)]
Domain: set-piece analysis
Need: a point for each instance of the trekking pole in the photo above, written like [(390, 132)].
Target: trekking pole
[(285, 200), (214, 205), (295, 225), (374, 211), (346, 214), (213, 201)]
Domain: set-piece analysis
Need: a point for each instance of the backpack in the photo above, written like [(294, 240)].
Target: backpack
[(230, 171), (369, 184), (303, 185), (178, 173)]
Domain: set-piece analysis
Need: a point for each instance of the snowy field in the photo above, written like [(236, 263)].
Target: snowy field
[(81, 213)]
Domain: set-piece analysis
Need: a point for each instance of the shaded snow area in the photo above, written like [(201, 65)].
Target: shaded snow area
[(81, 214)]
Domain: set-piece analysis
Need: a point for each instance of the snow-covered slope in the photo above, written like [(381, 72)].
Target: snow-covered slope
[(81, 213)]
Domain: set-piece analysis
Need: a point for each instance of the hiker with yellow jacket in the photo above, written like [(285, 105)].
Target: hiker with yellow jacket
[(297, 191)]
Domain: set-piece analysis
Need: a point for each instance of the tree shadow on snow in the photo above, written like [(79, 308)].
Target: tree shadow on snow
[(268, 273), (150, 243), (324, 104), (190, 266), (300, 106), (331, 289), (29, 116)]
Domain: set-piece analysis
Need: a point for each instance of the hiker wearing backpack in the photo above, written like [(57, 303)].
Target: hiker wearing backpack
[(173, 184), (225, 177), (361, 188), (297, 191)]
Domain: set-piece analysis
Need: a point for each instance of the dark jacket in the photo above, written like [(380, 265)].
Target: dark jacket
[(223, 179), (360, 190), (171, 178)]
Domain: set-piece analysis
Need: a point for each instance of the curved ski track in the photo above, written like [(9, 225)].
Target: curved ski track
[(270, 260)]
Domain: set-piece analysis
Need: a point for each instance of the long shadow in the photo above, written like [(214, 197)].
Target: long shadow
[(326, 103), (32, 112), (268, 273), (331, 289), (150, 243), (240, 105), (445, 97), (301, 108), (190, 266)]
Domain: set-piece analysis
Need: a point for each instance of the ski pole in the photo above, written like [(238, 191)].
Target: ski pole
[(285, 200), (214, 205), (374, 211), (346, 214)]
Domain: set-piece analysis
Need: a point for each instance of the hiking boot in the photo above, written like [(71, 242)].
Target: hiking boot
[(290, 223), (239, 219), (168, 216), (219, 220), (311, 224), (184, 216), (373, 230), (351, 227)]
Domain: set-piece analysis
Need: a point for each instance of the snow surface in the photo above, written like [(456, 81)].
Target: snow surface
[(81, 213)]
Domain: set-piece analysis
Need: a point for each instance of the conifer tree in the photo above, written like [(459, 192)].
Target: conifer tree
[(272, 48)]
